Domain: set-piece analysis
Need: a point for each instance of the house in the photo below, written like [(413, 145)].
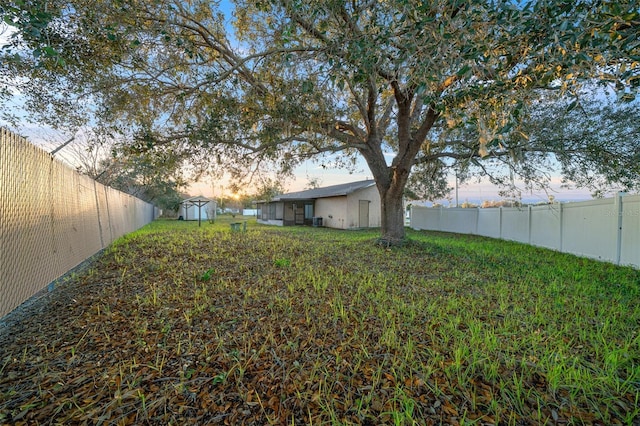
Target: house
[(347, 206), (199, 207)]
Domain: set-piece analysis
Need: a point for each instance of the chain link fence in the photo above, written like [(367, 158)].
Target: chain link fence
[(52, 218)]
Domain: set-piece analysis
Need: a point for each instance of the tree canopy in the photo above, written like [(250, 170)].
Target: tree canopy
[(152, 178), (415, 88)]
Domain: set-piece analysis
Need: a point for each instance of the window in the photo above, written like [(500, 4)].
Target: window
[(308, 211)]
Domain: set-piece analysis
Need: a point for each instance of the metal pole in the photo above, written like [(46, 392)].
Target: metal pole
[(62, 146), (619, 203), (457, 205), (200, 203)]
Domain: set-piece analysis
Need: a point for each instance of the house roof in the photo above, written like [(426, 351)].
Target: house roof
[(327, 191)]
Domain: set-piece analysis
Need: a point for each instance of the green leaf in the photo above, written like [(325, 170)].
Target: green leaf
[(462, 71), (307, 87), (50, 51)]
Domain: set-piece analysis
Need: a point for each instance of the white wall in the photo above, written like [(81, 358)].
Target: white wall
[(343, 212), (193, 213), (606, 229), (370, 194), (333, 211)]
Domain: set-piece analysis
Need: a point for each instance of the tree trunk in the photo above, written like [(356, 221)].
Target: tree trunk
[(392, 216), (391, 180)]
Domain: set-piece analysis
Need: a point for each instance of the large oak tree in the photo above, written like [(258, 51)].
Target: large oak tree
[(411, 87)]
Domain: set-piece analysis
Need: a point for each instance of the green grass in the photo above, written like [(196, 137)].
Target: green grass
[(313, 326)]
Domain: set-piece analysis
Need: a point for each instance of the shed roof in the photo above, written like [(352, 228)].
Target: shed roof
[(327, 191), (197, 198)]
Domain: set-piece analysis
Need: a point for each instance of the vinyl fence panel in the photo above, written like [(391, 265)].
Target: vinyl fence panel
[(425, 218), (459, 220), (515, 224), (489, 221), (546, 226), (630, 232), (590, 229), (607, 229)]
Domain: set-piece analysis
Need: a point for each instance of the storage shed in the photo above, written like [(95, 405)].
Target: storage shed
[(346, 206), (199, 207)]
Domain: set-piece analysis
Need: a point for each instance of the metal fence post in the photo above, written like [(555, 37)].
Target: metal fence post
[(561, 210), (619, 237), (529, 223)]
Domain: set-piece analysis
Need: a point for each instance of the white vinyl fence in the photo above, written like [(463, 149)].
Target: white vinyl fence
[(606, 229), (52, 219)]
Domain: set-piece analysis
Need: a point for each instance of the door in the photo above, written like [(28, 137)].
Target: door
[(363, 214), (289, 214), (299, 213)]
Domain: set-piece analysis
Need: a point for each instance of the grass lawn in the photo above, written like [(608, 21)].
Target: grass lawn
[(177, 324)]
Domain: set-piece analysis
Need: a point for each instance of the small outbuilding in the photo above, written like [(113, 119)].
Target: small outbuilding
[(198, 208), (346, 206)]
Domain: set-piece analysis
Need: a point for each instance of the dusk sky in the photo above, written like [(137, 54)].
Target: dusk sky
[(470, 192)]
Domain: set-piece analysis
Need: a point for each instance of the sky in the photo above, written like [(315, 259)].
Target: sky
[(474, 193), (471, 192)]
